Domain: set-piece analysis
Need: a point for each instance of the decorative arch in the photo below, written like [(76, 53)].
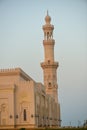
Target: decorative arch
[(3, 114), (24, 111)]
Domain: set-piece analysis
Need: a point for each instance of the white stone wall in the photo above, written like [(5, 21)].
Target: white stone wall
[(25, 104), (24, 100), (7, 106)]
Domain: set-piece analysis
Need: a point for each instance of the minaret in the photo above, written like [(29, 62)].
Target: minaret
[(49, 65)]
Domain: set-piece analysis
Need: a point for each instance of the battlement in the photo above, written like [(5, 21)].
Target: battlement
[(10, 70), (15, 71)]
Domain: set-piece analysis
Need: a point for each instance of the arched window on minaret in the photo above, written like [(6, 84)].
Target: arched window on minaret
[(47, 35)]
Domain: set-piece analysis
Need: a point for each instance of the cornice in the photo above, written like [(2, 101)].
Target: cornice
[(49, 42), (49, 65), (48, 27), (7, 86)]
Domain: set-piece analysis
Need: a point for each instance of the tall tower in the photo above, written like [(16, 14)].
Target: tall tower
[(49, 65)]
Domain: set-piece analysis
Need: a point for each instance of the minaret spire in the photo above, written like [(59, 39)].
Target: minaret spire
[(49, 65)]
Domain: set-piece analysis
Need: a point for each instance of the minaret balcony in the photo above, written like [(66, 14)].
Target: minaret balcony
[(48, 27), (49, 42), (49, 65)]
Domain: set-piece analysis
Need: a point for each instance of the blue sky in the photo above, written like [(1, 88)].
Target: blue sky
[(21, 37)]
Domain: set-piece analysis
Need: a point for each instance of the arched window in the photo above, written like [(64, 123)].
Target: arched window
[(47, 35), (49, 84), (25, 116)]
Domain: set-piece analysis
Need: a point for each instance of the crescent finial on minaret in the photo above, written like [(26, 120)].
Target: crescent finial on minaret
[(47, 13)]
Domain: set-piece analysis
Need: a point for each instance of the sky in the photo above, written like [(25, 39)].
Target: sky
[(21, 45)]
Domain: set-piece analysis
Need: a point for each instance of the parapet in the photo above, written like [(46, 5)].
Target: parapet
[(9, 70), (15, 71)]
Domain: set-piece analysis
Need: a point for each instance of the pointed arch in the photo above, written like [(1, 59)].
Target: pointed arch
[(24, 115)]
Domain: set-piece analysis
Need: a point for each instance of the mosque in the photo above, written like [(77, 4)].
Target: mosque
[(25, 103)]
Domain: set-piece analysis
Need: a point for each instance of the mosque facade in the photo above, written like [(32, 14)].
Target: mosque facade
[(25, 103)]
